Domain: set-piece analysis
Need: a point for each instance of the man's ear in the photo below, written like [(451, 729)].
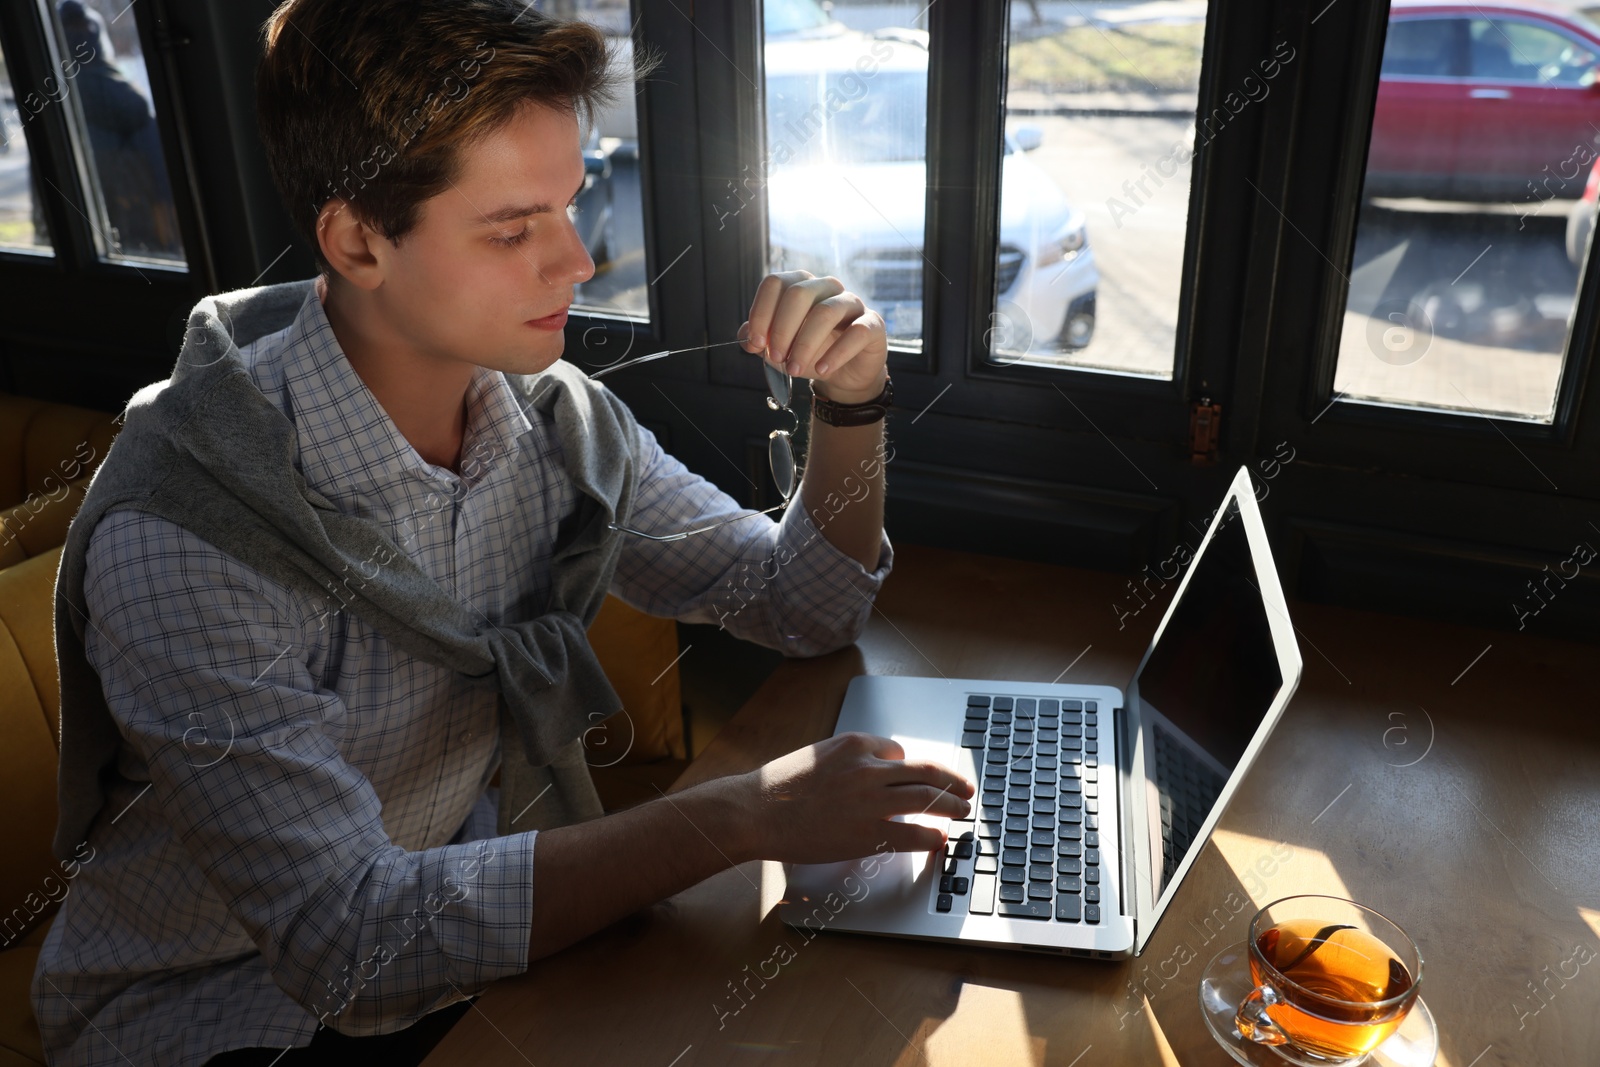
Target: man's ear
[(347, 244)]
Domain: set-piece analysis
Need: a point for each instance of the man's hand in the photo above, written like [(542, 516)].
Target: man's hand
[(832, 801), (812, 328)]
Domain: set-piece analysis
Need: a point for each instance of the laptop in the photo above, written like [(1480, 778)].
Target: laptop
[(1093, 800)]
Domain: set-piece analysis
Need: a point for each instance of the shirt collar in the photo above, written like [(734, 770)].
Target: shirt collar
[(350, 449)]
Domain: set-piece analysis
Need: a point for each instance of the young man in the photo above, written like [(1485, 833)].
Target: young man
[(274, 768)]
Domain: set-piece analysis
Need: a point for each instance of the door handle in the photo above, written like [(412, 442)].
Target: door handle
[(1490, 94)]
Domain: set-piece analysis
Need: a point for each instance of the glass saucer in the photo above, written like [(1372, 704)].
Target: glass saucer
[(1225, 983)]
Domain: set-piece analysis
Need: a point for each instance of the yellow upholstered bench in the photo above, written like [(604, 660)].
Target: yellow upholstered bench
[(45, 447)]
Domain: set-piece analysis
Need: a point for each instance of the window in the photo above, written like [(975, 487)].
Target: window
[(106, 89), (1094, 187), (22, 223), (1516, 51), (845, 168), (1423, 48), (610, 214), (1475, 224)]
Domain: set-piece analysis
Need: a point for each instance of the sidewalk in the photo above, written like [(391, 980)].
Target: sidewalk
[(1136, 105)]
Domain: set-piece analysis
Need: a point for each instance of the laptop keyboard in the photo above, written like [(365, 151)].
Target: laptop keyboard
[(1188, 789), (1033, 851)]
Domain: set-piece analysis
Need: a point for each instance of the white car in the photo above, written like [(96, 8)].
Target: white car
[(846, 175)]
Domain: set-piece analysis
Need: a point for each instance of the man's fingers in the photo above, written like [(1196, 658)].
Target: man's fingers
[(912, 837), (927, 772), (794, 304), (885, 748), (818, 330), (766, 303)]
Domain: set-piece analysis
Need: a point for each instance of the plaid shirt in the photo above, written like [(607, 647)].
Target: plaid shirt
[(301, 827)]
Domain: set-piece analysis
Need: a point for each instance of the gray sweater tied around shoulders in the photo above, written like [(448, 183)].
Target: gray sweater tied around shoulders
[(206, 450)]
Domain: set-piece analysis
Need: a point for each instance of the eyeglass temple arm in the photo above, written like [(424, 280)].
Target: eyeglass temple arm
[(602, 372), (700, 529)]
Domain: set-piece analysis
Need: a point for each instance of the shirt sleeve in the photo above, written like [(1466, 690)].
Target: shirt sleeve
[(205, 668), (780, 584)]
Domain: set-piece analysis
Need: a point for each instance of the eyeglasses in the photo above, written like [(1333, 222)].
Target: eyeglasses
[(780, 449)]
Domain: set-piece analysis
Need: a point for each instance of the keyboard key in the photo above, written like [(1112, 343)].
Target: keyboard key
[(1013, 875), (1044, 822), (1069, 847), (1013, 857), (1012, 894), (1068, 865), (1000, 730), (1032, 909), (977, 700), (1026, 706), (1069, 883), (1091, 732), (1045, 789), (1071, 800), (1046, 777), (1091, 822), (1091, 806), (1041, 855), (982, 895), (944, 902), (1071, 730), (1071, 815), (1091, 840), (972, 740), (964, 849), (1091, 894), (1048, 707), (1091, 746), (1010, 840), (1045, 763), (1091, 875), (1044, 805), (1001, 703), (1067, 908), (1090, 706), (1071, 785), (1043, 749), (1017, 807), (1041, 872), (1017, 824), (1042, 838), (960, 886), (1069, 831), (988, 846), (1092, 856), (1091, 913), (1072, 705), (997, 755), (986, 864), (947, 884)]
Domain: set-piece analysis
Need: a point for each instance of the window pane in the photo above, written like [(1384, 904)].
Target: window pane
[(1423, 48), (102, 80), (846, 155), (22, 224), (1094, 193), (1480, 197), (611, 207)]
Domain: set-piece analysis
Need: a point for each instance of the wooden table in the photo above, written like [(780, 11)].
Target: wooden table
[(1448, 776)]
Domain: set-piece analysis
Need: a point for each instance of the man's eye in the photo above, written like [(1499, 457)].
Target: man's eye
[(515, 239)]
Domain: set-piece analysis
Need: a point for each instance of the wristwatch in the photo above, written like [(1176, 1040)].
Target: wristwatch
[(867, 411)]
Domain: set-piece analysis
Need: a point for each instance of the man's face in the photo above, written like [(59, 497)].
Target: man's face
[(495, 251)]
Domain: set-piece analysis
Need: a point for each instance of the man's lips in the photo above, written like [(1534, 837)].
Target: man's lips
[(550, 322)]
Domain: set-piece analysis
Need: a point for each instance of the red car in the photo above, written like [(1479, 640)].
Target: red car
[(1494, 101)]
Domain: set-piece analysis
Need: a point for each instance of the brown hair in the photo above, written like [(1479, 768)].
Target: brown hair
[(371, 101)]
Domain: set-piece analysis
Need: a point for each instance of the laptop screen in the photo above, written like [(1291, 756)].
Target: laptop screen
[(1213, 674)]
